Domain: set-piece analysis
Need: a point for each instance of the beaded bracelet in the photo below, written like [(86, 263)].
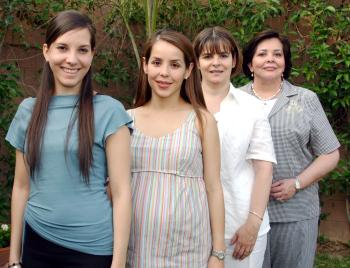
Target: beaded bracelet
[(256, 214), (15, 265)]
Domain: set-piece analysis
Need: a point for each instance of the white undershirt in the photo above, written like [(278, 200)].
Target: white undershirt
[(267, 105)]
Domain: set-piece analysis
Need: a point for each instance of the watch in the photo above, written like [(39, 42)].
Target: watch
[(220, 254), (297, 183), (15, 265)]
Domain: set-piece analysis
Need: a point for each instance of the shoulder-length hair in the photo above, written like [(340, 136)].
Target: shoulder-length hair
[(63, 22), (191, 89), (215, 39), (250, 49)]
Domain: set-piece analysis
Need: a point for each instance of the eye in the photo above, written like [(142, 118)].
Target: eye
[(155, 62), (278, 54), (206, 56), (224, 55), (261, 54), (61, 48), (175, 65), (83, 50)]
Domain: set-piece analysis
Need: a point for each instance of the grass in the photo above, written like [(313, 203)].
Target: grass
[(328, 261)]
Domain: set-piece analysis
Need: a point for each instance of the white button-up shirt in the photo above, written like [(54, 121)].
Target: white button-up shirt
[(245, 134)]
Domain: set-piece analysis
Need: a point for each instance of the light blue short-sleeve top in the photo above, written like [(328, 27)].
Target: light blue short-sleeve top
[(62, 208)]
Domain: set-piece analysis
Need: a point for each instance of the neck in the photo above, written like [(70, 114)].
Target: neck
[(215, 90), (214, 95), (266, 90), (157, 103)]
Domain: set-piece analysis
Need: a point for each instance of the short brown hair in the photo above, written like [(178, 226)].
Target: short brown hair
[(250, 49), (214, 39)]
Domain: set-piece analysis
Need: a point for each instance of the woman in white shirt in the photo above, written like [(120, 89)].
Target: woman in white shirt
[(246, 149)]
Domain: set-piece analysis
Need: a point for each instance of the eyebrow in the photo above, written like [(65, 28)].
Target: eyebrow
[(174, 60), (65, 44), (264, 49)]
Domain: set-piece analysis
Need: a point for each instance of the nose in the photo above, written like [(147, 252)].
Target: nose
[(164, 70), (270, 58), (216, 60), (72, 57)]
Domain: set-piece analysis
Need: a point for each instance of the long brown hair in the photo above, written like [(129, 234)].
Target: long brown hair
[(191, 89), (63, 22)]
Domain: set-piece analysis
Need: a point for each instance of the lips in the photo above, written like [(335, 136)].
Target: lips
[(216, 71), (70, 70), (270, 68), (163, 84)]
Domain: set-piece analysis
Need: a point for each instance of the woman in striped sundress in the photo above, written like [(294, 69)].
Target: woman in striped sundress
[(177, 199)]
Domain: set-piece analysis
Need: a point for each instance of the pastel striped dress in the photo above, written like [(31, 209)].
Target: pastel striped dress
[(170, 219)]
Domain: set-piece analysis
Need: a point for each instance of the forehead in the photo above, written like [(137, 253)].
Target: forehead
[(165, 50), (79, 36), (215, 46), (270, 44)]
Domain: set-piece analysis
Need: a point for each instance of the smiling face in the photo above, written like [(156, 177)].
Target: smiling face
[(69, 57), (268, 61), (166, 70), (216, 67)]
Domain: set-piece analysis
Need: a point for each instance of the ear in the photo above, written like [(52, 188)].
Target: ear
[(144, 65), (234, 62), (189, 70), (250, 66), (45, 51)]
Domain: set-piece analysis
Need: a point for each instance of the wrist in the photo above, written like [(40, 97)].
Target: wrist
[(218, 254), (297, 184), (14, 265)]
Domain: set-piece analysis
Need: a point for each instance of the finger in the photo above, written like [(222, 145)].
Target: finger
[(234, 239), (236, 250), (277, 195), (240, 253), (244, 254), (276, 183), (276, 189)]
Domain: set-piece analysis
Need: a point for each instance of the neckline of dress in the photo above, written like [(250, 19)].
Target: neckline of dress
[(180, 127)]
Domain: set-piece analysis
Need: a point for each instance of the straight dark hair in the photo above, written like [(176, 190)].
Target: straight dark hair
[(63, 22), (250, 49), (215, 40), (191, 89)]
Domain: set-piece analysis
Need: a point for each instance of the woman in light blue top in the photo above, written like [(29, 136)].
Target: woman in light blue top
[(66, 139)]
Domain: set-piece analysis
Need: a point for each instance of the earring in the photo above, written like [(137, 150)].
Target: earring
[(282, 76), (252, 74)]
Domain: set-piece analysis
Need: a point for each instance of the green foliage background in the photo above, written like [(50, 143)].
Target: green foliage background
[(319, 31)]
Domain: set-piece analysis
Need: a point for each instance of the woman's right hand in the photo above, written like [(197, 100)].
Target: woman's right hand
[(245, 238)]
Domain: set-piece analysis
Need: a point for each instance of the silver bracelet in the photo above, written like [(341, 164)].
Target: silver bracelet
[(256, 214)]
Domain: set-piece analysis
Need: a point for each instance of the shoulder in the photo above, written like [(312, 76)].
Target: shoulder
[(306, 96), (207, 117), (27, 104), (246, 88), (249, 105), (107, 105), (299, 89), (245, 97)]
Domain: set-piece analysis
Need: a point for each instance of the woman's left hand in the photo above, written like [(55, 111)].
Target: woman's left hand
[(215, 263), (283, 190), (244, 240)]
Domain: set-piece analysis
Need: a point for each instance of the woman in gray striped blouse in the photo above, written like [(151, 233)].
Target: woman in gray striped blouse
[(305, 145)]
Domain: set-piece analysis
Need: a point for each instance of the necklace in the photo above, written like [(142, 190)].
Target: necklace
[(269, 98)]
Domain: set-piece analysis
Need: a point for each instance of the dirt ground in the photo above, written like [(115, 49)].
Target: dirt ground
[(334, 248)]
